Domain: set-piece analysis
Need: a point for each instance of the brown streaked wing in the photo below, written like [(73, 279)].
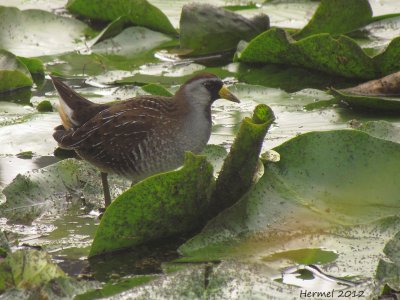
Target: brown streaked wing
[(108, 139)]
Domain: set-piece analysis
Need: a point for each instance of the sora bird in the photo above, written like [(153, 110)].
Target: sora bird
[(140, 136)]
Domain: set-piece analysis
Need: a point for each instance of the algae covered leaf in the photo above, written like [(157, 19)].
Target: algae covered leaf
[(139, 12), (160, 206)]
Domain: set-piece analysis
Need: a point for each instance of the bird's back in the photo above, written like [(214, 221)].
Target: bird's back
[(134, 138)]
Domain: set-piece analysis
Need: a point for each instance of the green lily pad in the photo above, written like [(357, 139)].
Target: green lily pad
[(382, 130), (388, 270), (158, 207), (388, 60), (139, 12), (111, 30), (45, 190), (13, 72), (329, 168), (186, 284), (305, 256), (375, 104), (337, 17), (206, 29), (288, 78), (238, 171), (66, 288), (130, 42), (34, 32), (18, 72), (76, 64), (116, 287), (327, 188), (4, 243), (227, 280), (27, 269), (339, 56), (380, 95), (34, 65)]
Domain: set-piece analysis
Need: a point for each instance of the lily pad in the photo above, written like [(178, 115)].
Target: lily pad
[(33, 33), (206, 29), (4, 244), (382, 130), (139, 12), (54, 189), (288, 78), (115, 287), (186, 284), (66, 288), (388, 270), (130, 42), (380, 95), (327, 188), (34, 65), (13, 72), (339, 56), (388, 60), (376, 104), (27, 269), (238, 171), (111, 30), (343, 164), (337, 17), (158, 207)]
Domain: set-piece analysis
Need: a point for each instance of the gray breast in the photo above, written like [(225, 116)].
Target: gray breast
[(164, 150)]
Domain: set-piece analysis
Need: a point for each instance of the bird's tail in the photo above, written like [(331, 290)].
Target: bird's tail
[(70, 103)]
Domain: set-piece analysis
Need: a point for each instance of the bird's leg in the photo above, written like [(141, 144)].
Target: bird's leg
[(106, 189)]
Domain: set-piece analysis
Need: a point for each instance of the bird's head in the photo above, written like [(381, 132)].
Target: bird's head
[(204, 89)]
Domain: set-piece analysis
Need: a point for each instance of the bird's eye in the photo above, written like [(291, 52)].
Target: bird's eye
[(206, 84)]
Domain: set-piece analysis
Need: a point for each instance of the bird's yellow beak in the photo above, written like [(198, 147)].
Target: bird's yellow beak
[(224, 93)]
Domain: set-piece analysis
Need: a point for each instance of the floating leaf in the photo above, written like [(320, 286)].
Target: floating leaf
[(327, 189), (66, 288), (375, 104), (139, 12), (4, 244), (389, 60), (382, 130), (206, 29), (46, 190), (112, 29), (339, 56), (337, 17), (186, 284), (116, 287), (288, 78), (130, 42), (157, 207), (34, 32), (388, 270), (328, 168), (27, 269), (240, 166), (13, 73)]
